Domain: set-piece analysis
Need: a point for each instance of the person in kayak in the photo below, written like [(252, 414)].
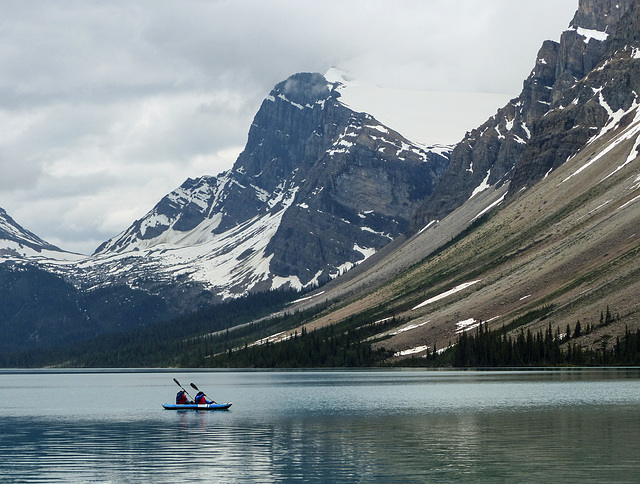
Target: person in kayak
[(181, 398), (202, 398)]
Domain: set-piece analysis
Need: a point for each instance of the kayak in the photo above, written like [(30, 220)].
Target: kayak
[(196, 406)]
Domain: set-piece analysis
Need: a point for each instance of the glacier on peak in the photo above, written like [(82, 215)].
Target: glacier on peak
[(428, 118)]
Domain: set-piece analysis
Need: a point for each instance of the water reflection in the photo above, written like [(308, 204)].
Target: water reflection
[(472, 447), (330, 427)]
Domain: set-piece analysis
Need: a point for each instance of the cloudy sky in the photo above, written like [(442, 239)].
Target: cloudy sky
[(105, 107)]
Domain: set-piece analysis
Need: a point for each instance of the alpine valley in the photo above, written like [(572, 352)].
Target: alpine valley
[(528, 225)]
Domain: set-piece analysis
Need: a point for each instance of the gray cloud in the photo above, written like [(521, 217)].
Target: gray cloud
[(107, 106)]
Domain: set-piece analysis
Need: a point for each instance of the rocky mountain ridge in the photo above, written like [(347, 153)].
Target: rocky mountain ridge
[(501, 151)]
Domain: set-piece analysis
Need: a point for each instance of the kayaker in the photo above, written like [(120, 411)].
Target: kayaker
[(181, 398), (202, 398)]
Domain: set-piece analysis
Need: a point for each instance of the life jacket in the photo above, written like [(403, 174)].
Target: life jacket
[(201, 398), (181, 397)]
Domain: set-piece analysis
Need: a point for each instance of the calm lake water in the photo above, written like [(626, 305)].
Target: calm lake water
[(323, 426)]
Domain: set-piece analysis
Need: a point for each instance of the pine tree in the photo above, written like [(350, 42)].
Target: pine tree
[(578, 330)]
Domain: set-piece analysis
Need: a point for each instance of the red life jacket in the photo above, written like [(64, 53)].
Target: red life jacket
[(201, 398), (181, 397)]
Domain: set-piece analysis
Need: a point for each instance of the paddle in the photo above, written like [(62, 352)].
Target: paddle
[(178, 383), (197, 389)]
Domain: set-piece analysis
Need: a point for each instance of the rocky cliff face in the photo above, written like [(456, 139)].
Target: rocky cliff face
[(547, 123), (317, 189), (582, 45), (597, 83)]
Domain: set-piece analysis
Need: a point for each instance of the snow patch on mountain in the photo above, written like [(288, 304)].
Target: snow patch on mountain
[(632, 131), (589, 34), (12, 250), (489, 207), (412, 351), (484, 185), (445, 294)]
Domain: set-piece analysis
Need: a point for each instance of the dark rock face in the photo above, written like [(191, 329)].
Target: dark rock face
[(337, 184), (532, 135), (579, 54), (360, 194), (601, 15), (596, 79)]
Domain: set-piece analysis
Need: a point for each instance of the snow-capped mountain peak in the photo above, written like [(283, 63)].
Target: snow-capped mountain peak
[(318, 188)]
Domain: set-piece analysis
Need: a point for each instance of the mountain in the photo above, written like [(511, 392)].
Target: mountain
[(531, 221), (17, 242), (318, 189), (508, 147), (536, 220), (41, 305)]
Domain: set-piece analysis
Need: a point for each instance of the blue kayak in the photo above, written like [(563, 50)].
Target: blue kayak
[(196, 406)]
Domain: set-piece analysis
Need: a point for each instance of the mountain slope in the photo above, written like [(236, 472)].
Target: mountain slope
[(317, 189), (18, 243), (42, 310), (562, 232), (568, 243)]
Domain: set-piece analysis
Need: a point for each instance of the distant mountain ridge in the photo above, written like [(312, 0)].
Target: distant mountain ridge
[(17, 242)]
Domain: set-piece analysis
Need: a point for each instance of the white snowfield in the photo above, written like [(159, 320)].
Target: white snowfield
[(445, 294), (589, 34), (427, 118), (11, 250)]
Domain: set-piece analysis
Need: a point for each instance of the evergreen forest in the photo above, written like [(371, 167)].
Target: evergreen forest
[(238, 334)]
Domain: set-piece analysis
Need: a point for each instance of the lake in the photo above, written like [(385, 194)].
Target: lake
[(571, 425)]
